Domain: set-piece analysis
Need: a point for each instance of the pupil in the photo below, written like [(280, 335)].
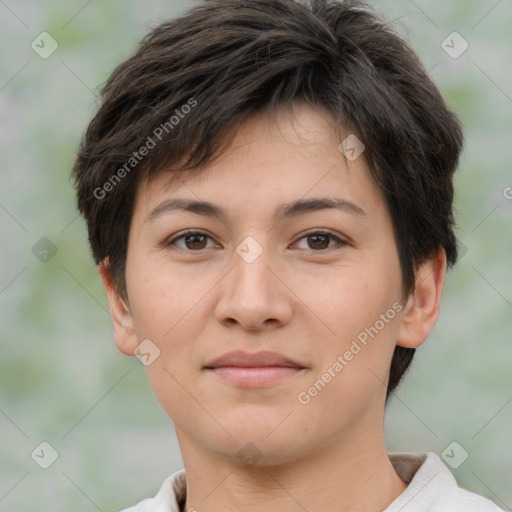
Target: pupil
[(194, 238), (325, 237)]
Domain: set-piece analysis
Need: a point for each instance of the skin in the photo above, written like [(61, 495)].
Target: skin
[(307, 298)]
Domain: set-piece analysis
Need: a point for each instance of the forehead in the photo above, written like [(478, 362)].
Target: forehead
[(270, 163)]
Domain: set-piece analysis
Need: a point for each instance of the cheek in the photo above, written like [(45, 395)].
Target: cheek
[(164, 301), (167, 312), (360, 304), (353, 298)]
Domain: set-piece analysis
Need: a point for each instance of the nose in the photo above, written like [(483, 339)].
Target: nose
[(254, 295)]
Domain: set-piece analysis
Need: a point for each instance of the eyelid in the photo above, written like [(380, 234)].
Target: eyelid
[(341, 241), (188, 232)]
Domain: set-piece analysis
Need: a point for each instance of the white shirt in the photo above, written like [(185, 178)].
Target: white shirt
[(431, 488)]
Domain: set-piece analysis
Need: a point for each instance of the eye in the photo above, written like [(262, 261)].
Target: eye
[(320, 240), (194, 241)]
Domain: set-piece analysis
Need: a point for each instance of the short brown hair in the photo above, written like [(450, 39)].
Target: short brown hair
[(197, 76)]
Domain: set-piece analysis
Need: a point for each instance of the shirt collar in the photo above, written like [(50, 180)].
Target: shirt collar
[(424, 473)]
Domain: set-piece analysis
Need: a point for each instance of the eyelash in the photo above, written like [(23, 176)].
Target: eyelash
[(330, 234)]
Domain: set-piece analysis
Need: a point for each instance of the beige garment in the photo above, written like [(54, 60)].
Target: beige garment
[(431, 488)]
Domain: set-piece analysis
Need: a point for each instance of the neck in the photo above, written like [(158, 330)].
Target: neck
[(353, 476)]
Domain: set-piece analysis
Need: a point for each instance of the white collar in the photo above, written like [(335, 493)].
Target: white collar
[(431, 488)]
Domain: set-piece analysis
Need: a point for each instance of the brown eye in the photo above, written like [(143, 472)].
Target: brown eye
[(320, 240), (193, 241)]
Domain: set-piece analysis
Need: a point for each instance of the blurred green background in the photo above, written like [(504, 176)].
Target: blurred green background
[(61, 378)]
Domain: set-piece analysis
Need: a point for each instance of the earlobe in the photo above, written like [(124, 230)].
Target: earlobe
[(124, 330), (422, 308)]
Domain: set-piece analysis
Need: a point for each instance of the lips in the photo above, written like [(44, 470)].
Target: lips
[(253, 371), (242, 359)]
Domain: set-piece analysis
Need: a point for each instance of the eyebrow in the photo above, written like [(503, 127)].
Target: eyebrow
[(288, 210)]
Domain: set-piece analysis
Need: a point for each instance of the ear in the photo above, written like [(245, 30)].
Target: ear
[(422, 308), (124, 330)]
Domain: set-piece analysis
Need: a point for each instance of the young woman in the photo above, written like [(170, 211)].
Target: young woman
[(268, 192)]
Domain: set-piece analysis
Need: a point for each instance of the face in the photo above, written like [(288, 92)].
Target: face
[(270, 267)]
